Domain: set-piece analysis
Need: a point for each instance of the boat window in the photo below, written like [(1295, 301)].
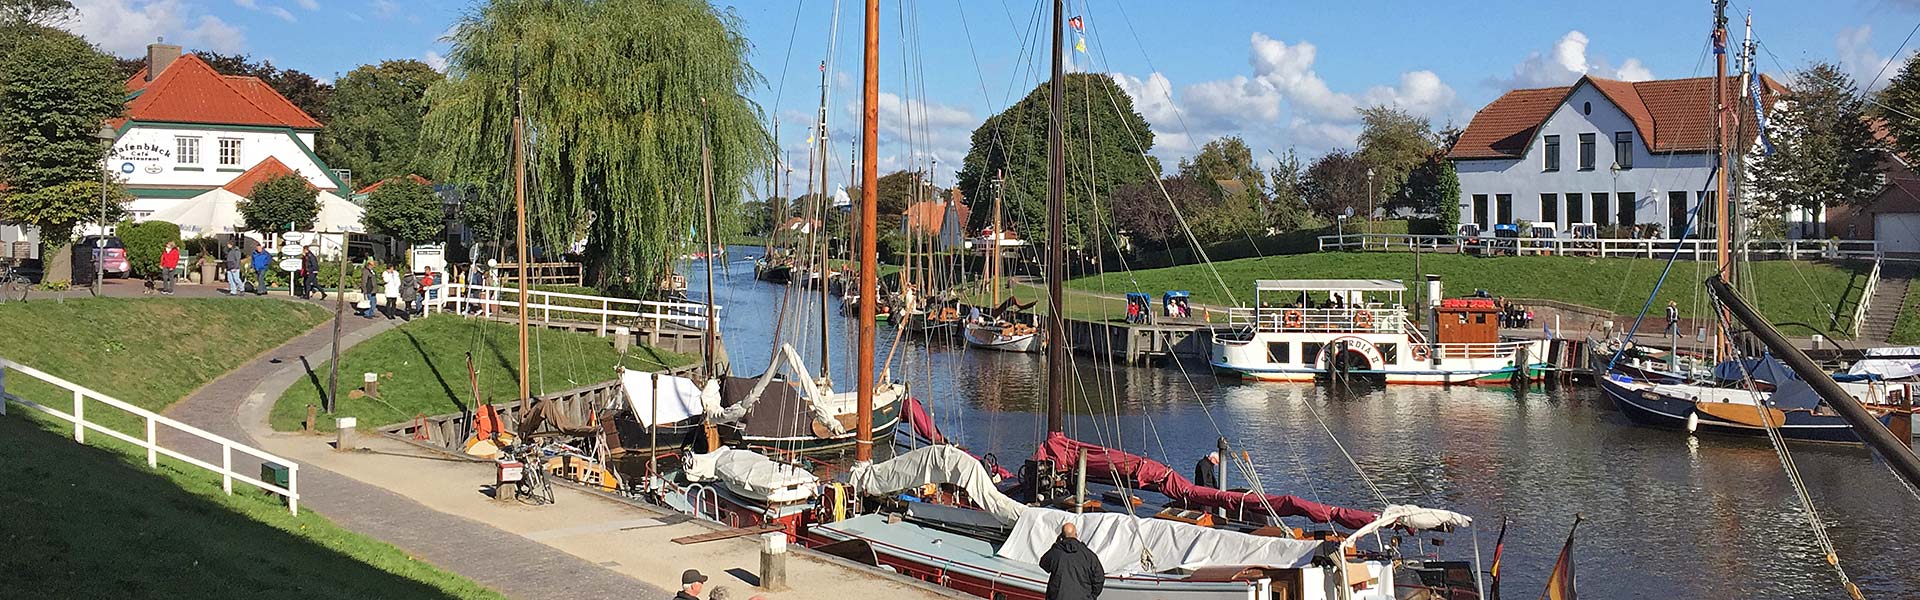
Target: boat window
[(1280, 352), (1480, 319), (1391, 352), (1309, 351)]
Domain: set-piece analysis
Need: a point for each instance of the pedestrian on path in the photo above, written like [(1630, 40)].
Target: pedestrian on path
[(1073, 570), (389, 291), (368, 280), (691, 581), (235, 260), (310, 273), (409, 296), (169, 264), (1673, 318), (261, 260)]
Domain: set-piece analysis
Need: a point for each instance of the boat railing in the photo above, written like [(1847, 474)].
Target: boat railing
[(1481, 350), (1371, 319)]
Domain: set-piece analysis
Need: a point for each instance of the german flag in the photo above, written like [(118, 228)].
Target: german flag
[(1561, 583), (1499, 547)]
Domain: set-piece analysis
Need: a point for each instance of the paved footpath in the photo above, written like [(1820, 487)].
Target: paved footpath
[(437, 508)]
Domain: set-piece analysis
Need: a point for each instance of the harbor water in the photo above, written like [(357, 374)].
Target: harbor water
[(1667, 515)]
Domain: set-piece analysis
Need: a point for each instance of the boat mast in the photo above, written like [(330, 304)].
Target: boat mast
[(1056, 233), (822, 254), (1723, 199), (706, 191), (869, 207), (520, 212), (993, 244)]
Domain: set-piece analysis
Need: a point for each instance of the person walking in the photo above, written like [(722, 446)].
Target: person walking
[(691, 582), (235, 260), (169, 265), (1073, 570), (389, 291), (310, 273), (261, 261), (368, 281), (409, 296)]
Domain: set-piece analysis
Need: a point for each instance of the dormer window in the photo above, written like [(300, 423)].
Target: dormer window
[(1552, 143)]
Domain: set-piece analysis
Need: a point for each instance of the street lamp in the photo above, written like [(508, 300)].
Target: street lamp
[(1369, 200), (107, 135)]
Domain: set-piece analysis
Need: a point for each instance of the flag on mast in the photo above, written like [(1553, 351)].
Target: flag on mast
[(1561, 583), (1076, 23), (1499, 547)]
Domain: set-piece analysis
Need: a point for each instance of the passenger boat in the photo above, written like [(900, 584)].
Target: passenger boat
[(1308, 329)]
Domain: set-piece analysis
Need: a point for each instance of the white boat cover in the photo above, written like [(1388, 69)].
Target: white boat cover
[(937, 464), (1410, 517), (680, 398), (1889, 368), (752, 475), (1129, 544)]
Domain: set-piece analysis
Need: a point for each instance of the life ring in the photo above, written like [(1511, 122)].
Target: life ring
[(1363, 320), (1419, 352), (1292, 319)]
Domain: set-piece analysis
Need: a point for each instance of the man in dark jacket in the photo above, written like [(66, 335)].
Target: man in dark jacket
[(1073, 570), (369, 281), (1206, 472), (310, 272), (261, 261), (236, 259)]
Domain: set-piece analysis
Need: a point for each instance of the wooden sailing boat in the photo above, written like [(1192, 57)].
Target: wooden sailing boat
[(1001, 328)]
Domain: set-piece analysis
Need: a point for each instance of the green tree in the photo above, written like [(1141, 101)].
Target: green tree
[(145, 242), (1826, 155), (484, 214), (303, 90), (374, 119), (1106, 142), (756, 217), (284, 203), (1899, 106), (406, 210), (1287, 208), (1433, 189), (35, 12), (898, 191), (1393, 142), (55, 91), (617, 95), (1337, 183), (1226, 159)]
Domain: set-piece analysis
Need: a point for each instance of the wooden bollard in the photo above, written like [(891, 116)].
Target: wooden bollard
[(312, 418), (622, 339), (773, 561), (343, 433), (371, 385)]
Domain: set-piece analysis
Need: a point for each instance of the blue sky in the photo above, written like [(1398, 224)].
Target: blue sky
[(1280, 74)]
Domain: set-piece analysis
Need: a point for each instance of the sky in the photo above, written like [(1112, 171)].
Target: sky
[(1280, 74)]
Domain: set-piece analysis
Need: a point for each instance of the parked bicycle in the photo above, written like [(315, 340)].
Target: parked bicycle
[(533, 485)]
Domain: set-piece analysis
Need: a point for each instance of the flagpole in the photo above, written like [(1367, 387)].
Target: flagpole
[(1563, 568)]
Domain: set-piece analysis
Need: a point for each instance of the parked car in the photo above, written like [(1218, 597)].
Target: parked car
[(114, 252)]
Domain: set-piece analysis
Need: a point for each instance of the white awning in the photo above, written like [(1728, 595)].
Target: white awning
[(1331, 285)]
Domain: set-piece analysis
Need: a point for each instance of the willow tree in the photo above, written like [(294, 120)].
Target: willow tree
[(615, 94)]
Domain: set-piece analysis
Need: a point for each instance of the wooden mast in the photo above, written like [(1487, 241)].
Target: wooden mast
[(993, 243), (869, 209), (520, 212), (1723, 198), (1056, 234), (706, 205), (821, 254)]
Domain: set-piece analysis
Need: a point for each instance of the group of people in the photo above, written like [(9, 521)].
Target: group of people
[(1514, 315), (390, 293), (235, 261)]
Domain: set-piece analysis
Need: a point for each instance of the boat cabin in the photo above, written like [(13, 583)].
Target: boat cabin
[(1327, 305), (1467, 321)]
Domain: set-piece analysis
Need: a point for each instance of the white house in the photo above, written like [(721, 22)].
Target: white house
[(1611, 153)]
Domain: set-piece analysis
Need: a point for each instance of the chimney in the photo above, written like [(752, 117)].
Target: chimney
[(158, 57)]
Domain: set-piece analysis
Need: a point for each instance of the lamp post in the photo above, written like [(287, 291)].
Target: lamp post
[(1369, 200), (107, 136)]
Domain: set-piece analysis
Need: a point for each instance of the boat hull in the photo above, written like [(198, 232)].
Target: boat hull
[(1650, 408), (1389, 358), (991, 338)]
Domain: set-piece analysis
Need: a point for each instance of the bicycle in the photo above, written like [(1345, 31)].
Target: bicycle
[(534, 486)]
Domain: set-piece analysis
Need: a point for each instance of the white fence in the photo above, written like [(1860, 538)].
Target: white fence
[(1690, 249), (151, 441), (542, 305), (1866, 300)]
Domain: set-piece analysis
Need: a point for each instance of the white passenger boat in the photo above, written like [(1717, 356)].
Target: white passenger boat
[(1307, 329)]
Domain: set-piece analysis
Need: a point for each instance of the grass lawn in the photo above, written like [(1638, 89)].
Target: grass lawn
[(85, 521), (424, 369), (1906, 330), (1800, 297)]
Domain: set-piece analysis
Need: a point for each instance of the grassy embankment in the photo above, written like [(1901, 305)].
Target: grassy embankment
[(93, 521), (1801, 297), (1906, 329), (424, 369)]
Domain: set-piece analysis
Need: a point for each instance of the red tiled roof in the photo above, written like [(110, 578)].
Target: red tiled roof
[(1671, 115), (376, 185), (260, 173), (930, 216), (190, 91)]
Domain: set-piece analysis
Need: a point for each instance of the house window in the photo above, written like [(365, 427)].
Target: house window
[(1280, 352), (1553, 153), (229, 152), (1623, 150), (1629, 212), (1576, 206), (1480, 211), (1549, 208), (1505, 208), (1709, 211), (1586, 151), (1600, 216), (186, 150)]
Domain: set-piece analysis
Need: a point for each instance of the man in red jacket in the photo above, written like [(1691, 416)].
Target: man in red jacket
[(169, 264)]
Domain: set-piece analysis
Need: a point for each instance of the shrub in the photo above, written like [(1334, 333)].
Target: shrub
[(145, 242)]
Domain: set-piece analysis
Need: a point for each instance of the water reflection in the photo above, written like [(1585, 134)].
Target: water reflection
[(1667, 515)]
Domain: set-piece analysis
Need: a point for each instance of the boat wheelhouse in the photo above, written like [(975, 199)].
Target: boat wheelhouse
[(1306, 329)]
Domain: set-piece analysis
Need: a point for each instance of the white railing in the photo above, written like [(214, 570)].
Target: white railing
[(1690, 249), (488, 300), (1378, 319), (151, 442), (1480, 350), (1866, 299)]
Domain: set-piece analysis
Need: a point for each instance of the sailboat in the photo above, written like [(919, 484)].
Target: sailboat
[(994, 550), (1001, 328), (1726, 401)]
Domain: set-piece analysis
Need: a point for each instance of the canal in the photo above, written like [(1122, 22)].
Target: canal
[(1667, 515)]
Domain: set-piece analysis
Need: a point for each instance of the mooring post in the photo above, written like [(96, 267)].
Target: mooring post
[(1080, 483), (312, 415), (371, 385), (773, 561), (343, 433)]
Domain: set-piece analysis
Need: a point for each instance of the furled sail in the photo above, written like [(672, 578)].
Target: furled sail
[(1107, 465), (936, 464)]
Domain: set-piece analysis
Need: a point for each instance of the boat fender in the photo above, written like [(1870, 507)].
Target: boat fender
[(1693, 422)]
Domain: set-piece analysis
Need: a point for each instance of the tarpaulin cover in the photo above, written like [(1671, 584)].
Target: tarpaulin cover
[(936, 464), (1410, 517), (1129, 544), (1106, 464), (1889, 368), (679, 397), (914, 416)]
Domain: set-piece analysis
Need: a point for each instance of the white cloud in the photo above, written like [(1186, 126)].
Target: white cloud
[(436, 61), (1859, 60), (1420, 92), (308, 4), (1566, 61), (247, 4), (283, 13), (384, 8), (125, 27)]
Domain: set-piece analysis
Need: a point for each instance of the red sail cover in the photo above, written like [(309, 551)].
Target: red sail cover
[(915, 415), (1104, 464)]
